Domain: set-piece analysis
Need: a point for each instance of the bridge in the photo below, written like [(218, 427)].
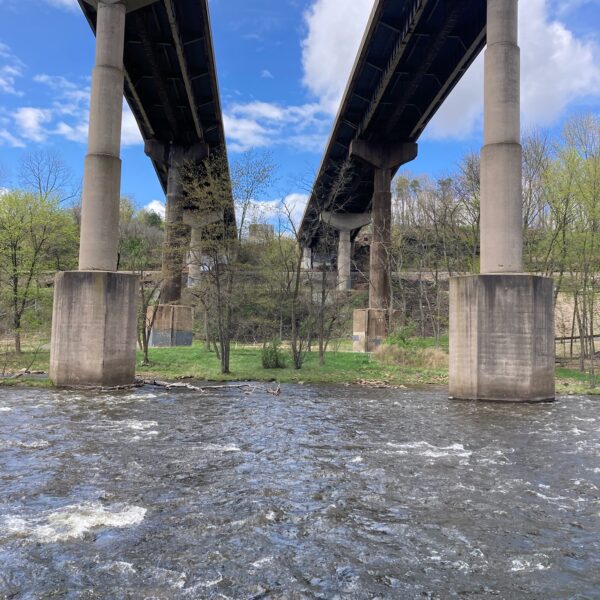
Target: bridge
[(413, 54), (159, 55)]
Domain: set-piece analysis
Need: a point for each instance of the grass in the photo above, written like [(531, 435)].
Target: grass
[(341, 367)]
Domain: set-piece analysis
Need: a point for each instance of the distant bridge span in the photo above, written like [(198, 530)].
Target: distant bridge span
[(412, 55)]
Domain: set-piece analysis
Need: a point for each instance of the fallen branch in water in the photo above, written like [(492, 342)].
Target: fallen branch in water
[(207, 388)]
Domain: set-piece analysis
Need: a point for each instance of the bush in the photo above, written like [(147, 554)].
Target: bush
[(272, 356), (401, 336)]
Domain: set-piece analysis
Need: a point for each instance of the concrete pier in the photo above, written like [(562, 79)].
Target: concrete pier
[(384, 159), (501, 322), (95, 309), (502, 338), (172, 326), (345, 224), (94, 325)]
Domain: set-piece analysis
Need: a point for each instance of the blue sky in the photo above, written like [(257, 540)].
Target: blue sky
[(279, 84)]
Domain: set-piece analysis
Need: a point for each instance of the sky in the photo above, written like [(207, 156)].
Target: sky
[(282, 68)]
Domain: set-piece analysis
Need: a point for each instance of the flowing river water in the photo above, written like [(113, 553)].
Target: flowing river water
[(322, 492)]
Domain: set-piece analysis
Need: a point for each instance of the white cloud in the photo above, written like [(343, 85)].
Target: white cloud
[(266, 74), (11, 69), (262, 124), (156, 206), (67, 115), (8, 138), (335, 29), (557, 67), (556, 70), (31, 122), (295, 206)]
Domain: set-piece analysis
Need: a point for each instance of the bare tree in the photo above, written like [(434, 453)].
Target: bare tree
[(251, 175), (44, 173)]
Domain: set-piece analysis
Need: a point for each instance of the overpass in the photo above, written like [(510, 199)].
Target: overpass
[(412, 55), (158, 54)]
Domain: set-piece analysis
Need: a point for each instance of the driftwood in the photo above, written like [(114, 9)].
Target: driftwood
[(248, 388), (20, 374)]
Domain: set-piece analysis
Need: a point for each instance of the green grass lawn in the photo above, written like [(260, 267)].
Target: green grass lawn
[(340, 367)]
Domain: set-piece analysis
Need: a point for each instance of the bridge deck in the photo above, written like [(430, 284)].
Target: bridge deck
[(412, 55), (170, 74)]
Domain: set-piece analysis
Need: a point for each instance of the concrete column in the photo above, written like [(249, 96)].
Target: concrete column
[(344, 261), (371, 326), (102, 171), (175, 233), (379, 275), (501, 194), (345, 224), (502, 321), (94, 315), (307, 259), (173, 157)]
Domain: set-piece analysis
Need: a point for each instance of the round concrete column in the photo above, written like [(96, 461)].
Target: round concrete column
[(175, 234), (344, 261), (102, 171), (379, 288), (501, 188)]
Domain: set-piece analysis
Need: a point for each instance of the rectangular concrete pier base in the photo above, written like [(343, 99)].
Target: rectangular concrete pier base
[(502, 338), (370, 329), (94, 326), (172, 326)]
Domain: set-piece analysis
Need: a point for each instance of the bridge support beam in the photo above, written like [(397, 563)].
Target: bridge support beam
[(384, 158), (173, 323), (502, 321), (95, 308), (307, 259), (345, 224)]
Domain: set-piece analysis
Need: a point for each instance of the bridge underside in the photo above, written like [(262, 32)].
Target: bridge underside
[(413, 55)]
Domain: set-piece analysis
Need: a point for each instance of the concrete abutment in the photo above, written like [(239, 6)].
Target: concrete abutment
[(94, 324), (502, 338)]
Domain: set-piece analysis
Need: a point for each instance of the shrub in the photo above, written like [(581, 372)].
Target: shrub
[(401, 336), (272, 356)]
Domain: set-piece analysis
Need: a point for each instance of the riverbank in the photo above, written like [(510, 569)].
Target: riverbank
[(340, 367)]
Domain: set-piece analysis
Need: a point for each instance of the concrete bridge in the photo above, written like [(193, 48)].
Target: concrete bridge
[(159, 54), (412, 55)]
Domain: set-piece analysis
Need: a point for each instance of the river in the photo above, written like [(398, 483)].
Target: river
[(321, 492)]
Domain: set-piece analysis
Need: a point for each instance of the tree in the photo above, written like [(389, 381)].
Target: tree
[(207, 188), (141, 238), (44, 173), (251, 175), (31, 226)]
